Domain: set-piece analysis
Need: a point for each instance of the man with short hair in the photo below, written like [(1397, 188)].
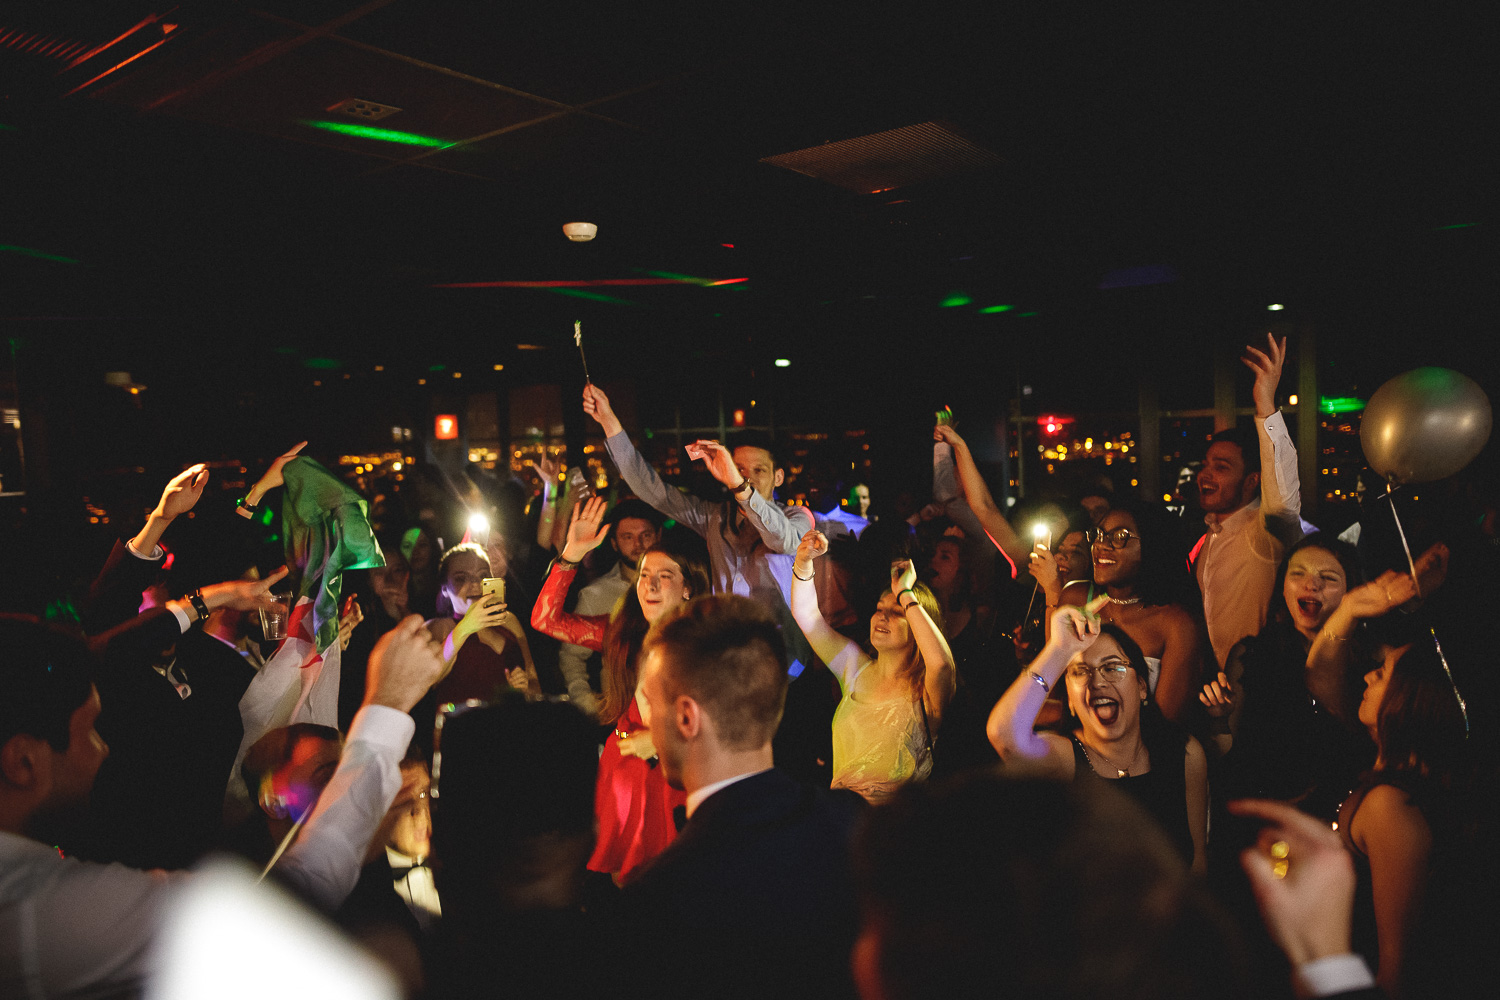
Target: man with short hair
[(71, 928), (1249, 492), (637, 528), (756, 893)]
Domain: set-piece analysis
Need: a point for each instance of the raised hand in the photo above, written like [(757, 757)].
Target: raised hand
[(719, 460), (182, 492), (1076, 629), (903, 576), (586, 530), (1306, 895), (1044, 568), (273, 477), (813, 544), (1267, 368), (547, 469), (946, 433), (1218, 696), (245, 595), (403, 665), (596, 405), (1386, 592), (347, 623)]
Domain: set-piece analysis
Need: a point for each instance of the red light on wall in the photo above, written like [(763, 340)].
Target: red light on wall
[(445, 427), (739, 418), (1052, 424)]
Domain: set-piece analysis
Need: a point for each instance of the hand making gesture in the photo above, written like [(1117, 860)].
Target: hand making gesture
[(586, 531), (596, 405), (1267, 368)]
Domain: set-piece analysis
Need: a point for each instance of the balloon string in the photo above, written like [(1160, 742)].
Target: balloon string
[(1462, 708), (1402, 532)]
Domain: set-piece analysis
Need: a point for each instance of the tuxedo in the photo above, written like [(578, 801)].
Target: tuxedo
[(756, 895)]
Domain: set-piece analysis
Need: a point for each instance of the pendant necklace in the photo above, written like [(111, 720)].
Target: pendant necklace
[(1120, 772)]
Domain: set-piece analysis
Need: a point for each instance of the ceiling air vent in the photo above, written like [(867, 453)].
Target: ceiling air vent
[(874, 163), (367, 111)]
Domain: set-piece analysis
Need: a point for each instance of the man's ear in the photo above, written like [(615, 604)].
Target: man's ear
[(780, 477), (687, 716), (26, 764)]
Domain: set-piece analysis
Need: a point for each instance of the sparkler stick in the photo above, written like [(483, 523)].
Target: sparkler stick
[(578, 339)]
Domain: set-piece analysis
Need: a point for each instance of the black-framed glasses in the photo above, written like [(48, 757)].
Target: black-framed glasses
[(1117, 539)]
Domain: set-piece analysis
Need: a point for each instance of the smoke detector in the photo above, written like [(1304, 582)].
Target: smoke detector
[(368, 111)]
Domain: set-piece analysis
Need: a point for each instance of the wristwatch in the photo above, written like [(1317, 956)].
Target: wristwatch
[(244, 508), (741, 487)]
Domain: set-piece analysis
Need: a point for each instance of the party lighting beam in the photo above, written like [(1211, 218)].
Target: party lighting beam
[(38, 254), (380, 134)]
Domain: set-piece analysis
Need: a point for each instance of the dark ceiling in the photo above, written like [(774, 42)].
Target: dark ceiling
[(1319, 159)]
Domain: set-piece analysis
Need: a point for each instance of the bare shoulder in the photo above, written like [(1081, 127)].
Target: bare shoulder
[(1076, 594), (1195, 761), (1387, 816)]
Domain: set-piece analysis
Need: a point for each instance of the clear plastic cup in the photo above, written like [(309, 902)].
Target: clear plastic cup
[(273, 621)]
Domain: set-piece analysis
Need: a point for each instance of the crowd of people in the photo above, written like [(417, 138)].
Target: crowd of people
[(725, 746)]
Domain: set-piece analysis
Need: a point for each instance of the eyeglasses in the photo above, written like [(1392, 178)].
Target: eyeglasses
[(1117, 539), (1112, 671)]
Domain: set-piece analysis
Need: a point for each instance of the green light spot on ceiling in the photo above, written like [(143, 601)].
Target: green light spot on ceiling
[(437, 368), (380, 134), (1340, 404), (955, 300), (578, 293), (997, 309), (1024, 315), (1458, 225), (323, 364), (38, 254)]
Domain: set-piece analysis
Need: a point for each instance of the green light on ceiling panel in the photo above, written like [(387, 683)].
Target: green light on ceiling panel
[(997, 309), (955, 300), (39, 255), (381, 134), (1340, 404), (1458, 225)]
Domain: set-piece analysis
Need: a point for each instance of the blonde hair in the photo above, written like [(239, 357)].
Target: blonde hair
[(916, 673)]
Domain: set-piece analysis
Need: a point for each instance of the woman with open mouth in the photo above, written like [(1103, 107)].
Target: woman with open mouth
[(1146, 585), (892, 703), (1118, 736), (1276, 740)]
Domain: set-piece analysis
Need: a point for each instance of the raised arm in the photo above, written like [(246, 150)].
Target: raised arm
[(637, 472), (268, 482), (1334, 647), (1280, 488), (940, 674), (841, 655), (546, 470), (487, 612), (1011, 726), (981, 501), (781, 530)]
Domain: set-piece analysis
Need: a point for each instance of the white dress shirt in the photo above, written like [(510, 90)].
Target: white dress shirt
[(71, 928), (696, 799), (1237, 559)]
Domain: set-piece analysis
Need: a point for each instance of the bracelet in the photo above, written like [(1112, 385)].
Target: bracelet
[(908, 606), (199, 604), (804, 579), (244, 508), (1328, 634), (562, 563), (1040, 680), (905, 590)]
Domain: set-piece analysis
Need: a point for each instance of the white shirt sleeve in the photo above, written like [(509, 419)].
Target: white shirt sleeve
[(1280, 487), (1334, 974), (325, 861), (156, 553)]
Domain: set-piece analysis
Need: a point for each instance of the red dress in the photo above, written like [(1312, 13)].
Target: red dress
[(632, 800)]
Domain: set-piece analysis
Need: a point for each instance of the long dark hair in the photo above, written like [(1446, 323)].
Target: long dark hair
[(1419, 727), (627, 629)]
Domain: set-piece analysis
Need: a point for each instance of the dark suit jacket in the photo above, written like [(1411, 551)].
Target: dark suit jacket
[(755, 897)]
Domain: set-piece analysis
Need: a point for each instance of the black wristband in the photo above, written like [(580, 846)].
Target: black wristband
[(199, 605), (245, 508)]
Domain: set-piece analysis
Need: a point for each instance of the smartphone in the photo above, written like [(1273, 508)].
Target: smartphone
[(494, 585)]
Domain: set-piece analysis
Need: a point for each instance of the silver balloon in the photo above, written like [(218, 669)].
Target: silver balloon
[(1424, 425)]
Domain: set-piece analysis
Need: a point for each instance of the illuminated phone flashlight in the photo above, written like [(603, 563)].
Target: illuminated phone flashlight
[(1042, 534), (479, 526)]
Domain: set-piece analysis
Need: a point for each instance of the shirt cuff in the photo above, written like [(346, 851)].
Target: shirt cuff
[(1334, 974), (384, 727), (183, 621), (156, 552), (1275, 426)]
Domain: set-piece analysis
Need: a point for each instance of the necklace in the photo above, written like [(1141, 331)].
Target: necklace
[(1124, 600), (1120, 772)]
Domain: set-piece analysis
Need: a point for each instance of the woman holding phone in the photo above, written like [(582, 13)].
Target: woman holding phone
[(500, 657)]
